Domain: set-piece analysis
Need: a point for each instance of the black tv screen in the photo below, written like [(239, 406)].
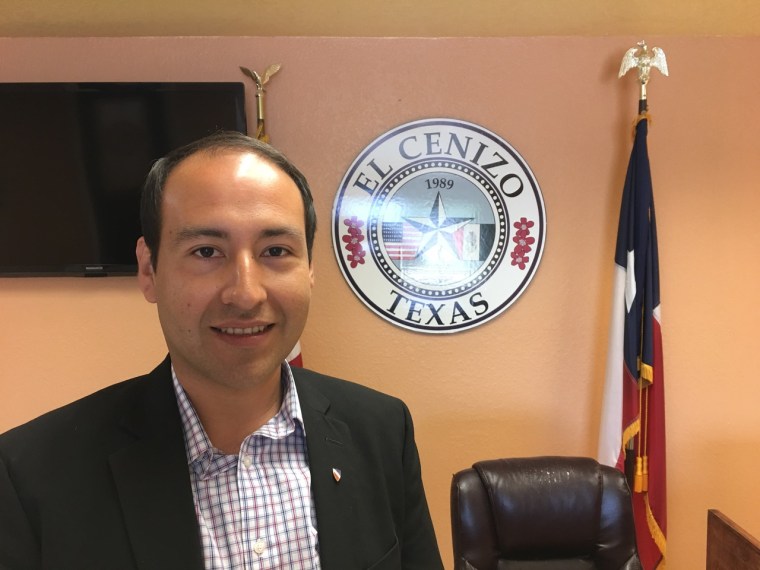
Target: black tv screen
[(73, 158)]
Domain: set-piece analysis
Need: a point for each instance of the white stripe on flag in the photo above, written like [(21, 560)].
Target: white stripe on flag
[(403, 247), (611, 427)]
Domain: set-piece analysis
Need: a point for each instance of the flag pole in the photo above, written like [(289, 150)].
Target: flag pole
[(642, 446), (643, 59), (259, 81)]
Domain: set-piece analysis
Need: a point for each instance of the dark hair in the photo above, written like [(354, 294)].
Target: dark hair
[(153, 189)]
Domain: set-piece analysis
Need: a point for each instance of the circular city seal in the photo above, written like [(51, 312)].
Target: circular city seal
[(438, 225)]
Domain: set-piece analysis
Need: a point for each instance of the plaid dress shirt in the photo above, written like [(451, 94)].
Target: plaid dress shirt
[(255, 510)]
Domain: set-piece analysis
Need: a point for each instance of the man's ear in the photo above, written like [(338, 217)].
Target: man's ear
[(145, 274)]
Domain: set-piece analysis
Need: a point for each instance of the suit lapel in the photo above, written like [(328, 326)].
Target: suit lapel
[(330, 447), (153, 482)]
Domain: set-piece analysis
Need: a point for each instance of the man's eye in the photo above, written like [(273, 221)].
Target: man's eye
[(205, 252), (275, 251)]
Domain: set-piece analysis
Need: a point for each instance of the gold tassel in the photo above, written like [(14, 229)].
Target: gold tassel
[(645, 475), (637, 478)]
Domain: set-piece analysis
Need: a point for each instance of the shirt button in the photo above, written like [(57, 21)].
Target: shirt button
[(259, 545), (247, 461)]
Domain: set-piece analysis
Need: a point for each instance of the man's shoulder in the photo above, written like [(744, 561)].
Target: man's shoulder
[(347, 399), (332, 386), (87, 414)]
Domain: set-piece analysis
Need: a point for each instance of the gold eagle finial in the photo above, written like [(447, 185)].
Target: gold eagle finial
[(644, 59), (260, 82)]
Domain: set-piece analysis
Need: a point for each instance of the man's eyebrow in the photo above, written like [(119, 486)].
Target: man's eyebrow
[(191, 233), (287, 231)]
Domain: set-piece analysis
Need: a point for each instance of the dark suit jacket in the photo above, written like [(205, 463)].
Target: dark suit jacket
[(103, 483)]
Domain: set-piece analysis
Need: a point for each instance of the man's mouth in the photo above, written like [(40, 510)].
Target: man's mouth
[(234, 331)]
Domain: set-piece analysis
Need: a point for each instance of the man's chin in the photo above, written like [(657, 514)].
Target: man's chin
[(233, 374)]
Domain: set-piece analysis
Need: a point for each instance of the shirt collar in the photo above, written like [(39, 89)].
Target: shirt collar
[(197, 444)]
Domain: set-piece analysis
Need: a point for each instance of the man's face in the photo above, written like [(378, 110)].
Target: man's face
[(233, 281)]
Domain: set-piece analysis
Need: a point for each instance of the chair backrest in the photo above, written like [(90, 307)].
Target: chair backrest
[(729, 546), (542, 513)]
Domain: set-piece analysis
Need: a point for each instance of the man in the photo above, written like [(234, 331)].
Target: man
[(222, 457)]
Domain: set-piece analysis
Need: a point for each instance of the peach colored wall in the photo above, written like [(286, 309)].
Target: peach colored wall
[(530, 381)]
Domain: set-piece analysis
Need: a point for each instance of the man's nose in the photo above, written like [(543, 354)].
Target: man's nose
[(244, 287)]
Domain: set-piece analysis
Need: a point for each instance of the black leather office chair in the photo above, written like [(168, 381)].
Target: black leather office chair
[(542, 513)]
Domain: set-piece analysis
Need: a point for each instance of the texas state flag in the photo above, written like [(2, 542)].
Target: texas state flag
[(632, 432)]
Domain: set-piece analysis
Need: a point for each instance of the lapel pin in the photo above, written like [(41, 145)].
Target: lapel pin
[(336, 474)]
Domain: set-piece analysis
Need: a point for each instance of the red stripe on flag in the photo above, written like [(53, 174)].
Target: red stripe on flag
[(650, 507), (405, 246)]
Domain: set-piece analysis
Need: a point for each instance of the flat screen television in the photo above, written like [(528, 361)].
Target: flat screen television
[(73, 158)]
